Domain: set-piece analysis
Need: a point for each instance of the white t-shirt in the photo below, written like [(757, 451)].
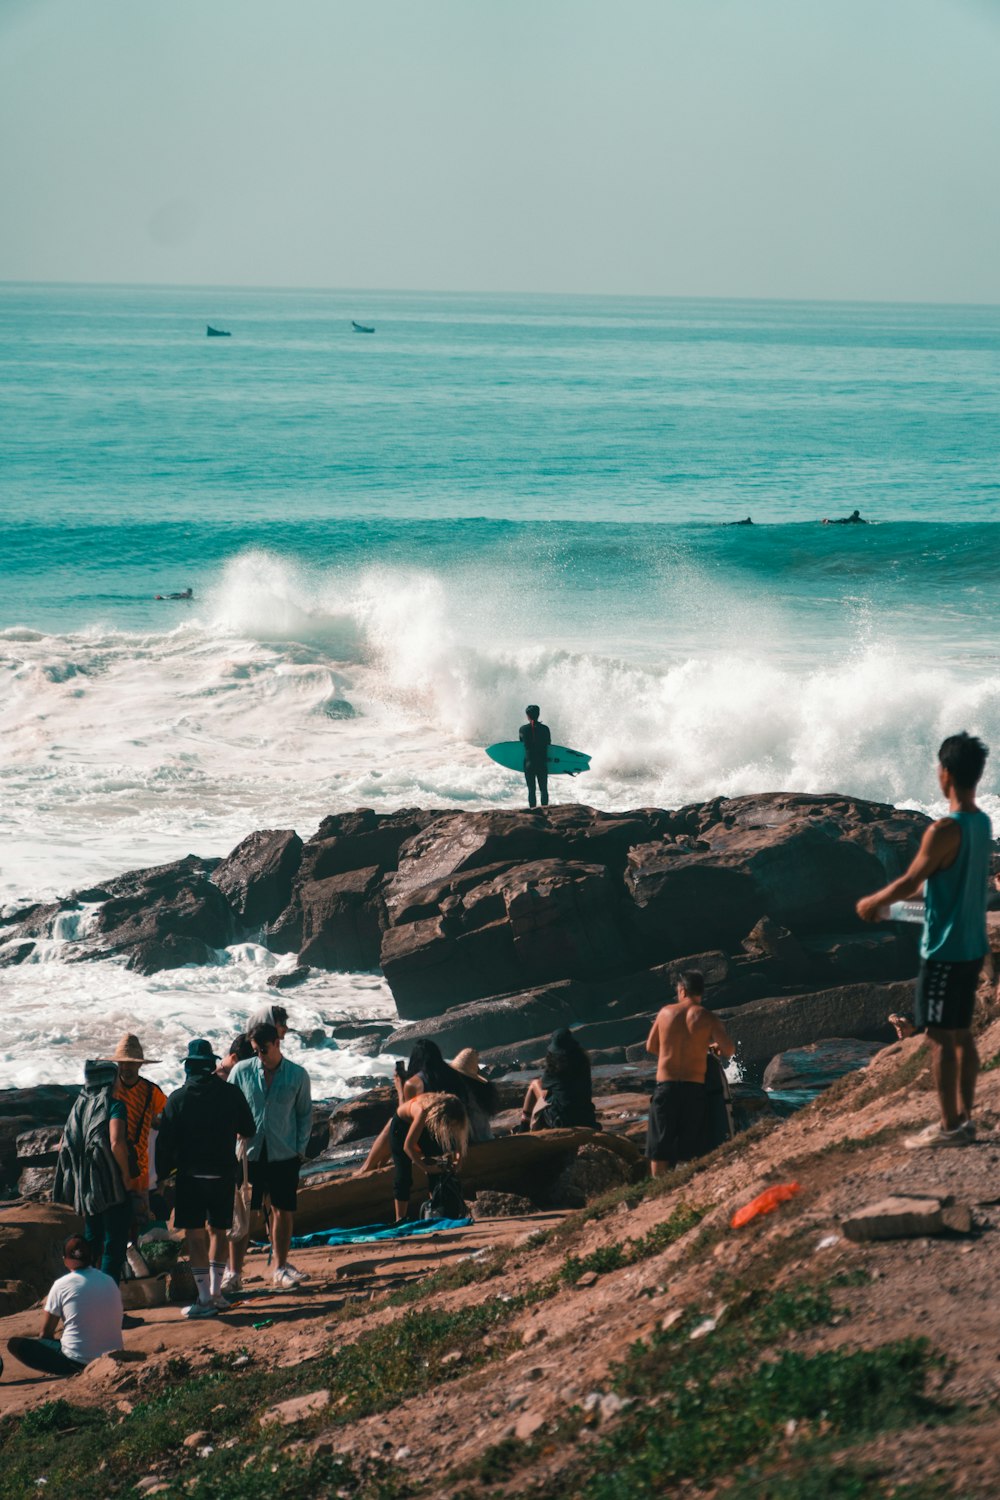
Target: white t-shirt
[(90, 1306)]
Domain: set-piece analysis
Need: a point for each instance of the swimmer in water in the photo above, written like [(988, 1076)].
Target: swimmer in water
[(747, 522), (854, 519), (187, 594)]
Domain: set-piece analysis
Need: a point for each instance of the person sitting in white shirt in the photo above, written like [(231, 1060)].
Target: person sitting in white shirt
[(89, 1305)]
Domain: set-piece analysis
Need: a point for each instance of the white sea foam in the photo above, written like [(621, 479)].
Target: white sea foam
[(298, 692), (67, 1012)]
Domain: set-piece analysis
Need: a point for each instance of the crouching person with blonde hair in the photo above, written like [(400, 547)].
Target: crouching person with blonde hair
[(426, 1125)]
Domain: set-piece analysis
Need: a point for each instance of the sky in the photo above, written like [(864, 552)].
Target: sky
[(841, 149)]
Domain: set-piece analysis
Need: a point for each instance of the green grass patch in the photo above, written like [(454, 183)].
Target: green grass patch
[(810, 1479), (703, 1429), (698, 1410), (92, 1454), (450, 1278), (630, 1252)]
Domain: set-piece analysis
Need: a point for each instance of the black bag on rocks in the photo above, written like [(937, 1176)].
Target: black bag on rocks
[(445, 1201)]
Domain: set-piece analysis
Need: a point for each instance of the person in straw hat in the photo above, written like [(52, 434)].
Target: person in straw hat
[(144, 1103), (481, 1101)]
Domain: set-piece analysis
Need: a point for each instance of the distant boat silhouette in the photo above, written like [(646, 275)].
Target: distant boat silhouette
[(217, 333), (361, 327)]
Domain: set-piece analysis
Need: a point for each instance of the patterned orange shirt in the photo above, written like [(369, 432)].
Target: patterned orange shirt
[(143, 1102)]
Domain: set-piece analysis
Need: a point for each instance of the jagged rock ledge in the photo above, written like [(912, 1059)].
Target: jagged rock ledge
[(492, 927)]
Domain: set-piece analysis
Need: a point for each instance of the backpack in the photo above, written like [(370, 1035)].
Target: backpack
[(445, 1201), (87, 1176)]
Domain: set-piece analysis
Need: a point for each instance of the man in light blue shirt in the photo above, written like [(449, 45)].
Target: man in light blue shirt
[(277, 1091)]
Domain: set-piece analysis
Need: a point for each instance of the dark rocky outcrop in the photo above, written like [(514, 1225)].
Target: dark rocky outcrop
[(362, 1117), (31, 1237), (605, 1012), (257, 877), (165, 917), (544, 920), (490, 1204), (493, 927), (818, 1064), (764, 1028), (595, 1169), (340, 922), (343, 844), (29, 1118), (288, 981)]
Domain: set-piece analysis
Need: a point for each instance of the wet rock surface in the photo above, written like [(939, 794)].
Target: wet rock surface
[(818, 1064), (31, 1122), (257, 877), (495, 927)]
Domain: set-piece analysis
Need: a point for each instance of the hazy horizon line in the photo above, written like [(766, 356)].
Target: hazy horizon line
[(212, 286)]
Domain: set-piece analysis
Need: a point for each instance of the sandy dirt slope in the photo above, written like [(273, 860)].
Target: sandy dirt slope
[(845, 1151)]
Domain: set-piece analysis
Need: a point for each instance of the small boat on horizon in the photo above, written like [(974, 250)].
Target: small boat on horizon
[(361, 327), (217, 333)]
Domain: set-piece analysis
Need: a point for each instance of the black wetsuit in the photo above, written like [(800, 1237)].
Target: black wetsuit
[(536, 739)]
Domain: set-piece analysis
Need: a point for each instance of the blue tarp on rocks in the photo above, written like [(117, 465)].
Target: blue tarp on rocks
[(368, 1232)]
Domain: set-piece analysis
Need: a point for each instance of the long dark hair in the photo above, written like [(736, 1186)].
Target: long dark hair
[(441, 1078), (565, 1057)]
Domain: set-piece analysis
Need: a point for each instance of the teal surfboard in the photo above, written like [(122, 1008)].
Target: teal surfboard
[(562, 762)]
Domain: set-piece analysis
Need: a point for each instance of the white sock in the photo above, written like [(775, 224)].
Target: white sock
[(216, 1271), (200, 1274)]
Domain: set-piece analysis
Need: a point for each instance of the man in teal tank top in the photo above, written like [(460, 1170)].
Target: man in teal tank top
[(952, 868)]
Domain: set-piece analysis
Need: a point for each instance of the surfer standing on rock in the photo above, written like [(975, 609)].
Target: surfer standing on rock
[(536, 739)]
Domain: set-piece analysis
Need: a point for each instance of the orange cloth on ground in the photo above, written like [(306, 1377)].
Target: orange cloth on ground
[(143, 1102), (764, 1203)]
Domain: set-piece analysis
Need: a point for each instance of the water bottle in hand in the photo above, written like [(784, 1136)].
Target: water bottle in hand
[(904, 911)]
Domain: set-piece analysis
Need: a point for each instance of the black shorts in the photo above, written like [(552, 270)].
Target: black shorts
[(277, 1180), (201, 1199), (946, 993), (676, 1120)]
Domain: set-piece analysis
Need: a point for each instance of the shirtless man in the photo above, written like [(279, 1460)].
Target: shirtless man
[(680, 1040)]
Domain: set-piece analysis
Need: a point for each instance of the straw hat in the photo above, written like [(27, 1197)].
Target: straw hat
[(467, 1062), (129, 1049)]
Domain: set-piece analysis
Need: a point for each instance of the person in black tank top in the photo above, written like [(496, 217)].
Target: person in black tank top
[(536, 739)]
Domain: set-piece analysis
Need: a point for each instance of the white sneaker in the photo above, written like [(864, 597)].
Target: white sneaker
[(935, 1136), (232, 1281), (201, 1310), (295, 1272), (284, 1281), (219, 1301)]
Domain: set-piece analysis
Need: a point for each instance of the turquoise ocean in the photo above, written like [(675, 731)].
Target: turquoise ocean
[(396, 540)]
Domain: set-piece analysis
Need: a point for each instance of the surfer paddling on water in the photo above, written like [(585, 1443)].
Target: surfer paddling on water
[(536, 739)]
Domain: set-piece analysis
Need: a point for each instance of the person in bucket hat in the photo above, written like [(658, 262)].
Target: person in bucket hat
[(197, 1138)]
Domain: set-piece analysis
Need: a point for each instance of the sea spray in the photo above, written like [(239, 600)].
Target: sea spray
[(121, 749)]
